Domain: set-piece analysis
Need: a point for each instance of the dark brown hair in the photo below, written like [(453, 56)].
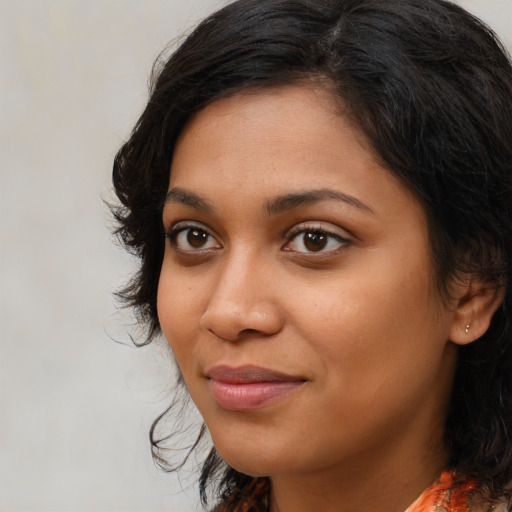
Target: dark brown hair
[(431, 87)]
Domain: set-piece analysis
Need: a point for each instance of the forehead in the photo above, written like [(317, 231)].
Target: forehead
[(265, 142), (281, 122)]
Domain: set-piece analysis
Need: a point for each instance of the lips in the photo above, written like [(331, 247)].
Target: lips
[(249, 387)]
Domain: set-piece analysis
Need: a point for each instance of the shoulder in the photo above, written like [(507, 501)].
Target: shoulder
[(453, 492)]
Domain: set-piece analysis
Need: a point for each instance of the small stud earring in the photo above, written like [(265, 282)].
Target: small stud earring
[(467, 329)]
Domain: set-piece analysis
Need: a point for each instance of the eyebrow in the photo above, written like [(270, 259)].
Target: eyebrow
[(180, 195), (287, 202), (274, 206)]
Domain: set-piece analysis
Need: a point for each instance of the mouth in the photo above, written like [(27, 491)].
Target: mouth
[(249, 388)]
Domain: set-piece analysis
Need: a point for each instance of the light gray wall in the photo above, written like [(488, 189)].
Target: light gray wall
[(75, 407)]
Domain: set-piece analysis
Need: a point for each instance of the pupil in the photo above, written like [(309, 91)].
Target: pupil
[(315, 241), (197, 238)]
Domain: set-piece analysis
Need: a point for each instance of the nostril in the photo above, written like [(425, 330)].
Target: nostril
[(244, 334), (250, 331)]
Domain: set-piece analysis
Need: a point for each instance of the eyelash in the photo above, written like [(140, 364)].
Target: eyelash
[(318, 231), (181, 228), (291, 236)]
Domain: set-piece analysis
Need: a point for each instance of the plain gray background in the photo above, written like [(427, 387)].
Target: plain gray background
[(75, 407)]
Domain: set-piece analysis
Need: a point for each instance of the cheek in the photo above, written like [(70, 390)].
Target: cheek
[(178, 307), (386, 319)]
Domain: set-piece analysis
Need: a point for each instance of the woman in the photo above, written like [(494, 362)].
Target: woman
[(320, 194)]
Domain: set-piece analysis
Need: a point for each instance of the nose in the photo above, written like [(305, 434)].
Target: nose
[(243, 302)]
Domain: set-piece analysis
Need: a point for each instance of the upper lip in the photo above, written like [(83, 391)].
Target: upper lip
[(248, 374)]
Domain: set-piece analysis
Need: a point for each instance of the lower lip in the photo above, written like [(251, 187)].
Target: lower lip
[(250, 396)]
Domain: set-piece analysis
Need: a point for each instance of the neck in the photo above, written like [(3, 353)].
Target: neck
[(377, 482)]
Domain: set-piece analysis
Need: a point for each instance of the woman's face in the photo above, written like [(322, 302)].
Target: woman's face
[(297, 290)]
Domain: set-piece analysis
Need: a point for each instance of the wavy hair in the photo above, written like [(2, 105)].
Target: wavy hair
[(431, 87)]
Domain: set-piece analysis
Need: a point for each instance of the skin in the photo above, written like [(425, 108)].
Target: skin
[(360, 321)]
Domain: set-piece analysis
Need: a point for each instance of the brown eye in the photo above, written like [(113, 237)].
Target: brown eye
[(311, 241), (315, 241), (197, 238), (192, 238)]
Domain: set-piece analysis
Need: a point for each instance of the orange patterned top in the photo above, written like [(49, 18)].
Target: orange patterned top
[(450, 493)]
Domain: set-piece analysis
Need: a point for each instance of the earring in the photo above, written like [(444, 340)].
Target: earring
[(467, 328)]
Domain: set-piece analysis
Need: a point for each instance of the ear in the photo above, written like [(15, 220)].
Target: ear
[(477, 303)]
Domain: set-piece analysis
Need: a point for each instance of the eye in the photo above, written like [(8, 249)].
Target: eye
[(314, 240), (190, 238)]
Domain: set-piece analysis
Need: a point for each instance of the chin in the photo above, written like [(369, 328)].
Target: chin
[(255, 460)]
